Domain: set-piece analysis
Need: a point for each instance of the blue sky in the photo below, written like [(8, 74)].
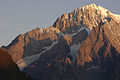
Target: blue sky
[(20, 16)]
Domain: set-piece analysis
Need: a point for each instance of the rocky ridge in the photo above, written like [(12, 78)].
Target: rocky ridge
[(32, 42)]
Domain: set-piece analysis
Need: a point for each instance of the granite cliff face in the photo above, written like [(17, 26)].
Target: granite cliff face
[(104, 40), (101, 49)]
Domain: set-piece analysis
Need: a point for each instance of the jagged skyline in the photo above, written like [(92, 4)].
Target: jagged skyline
[(18, 17)]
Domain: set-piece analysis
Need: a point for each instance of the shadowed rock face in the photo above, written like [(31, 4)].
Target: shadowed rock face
[(8, 69), (50, 58), (117, 71)]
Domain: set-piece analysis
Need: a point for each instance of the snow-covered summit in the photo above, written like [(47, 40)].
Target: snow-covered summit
[(90, 15)]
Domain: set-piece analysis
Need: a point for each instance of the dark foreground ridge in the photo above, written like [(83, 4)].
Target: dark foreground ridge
[(8, 69)]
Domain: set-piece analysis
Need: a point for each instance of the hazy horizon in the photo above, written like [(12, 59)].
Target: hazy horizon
[(18, 17)]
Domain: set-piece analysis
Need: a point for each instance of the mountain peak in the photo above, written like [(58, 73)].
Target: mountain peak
[(100, 8), (90, 15), (104, 11), (90, 5)]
